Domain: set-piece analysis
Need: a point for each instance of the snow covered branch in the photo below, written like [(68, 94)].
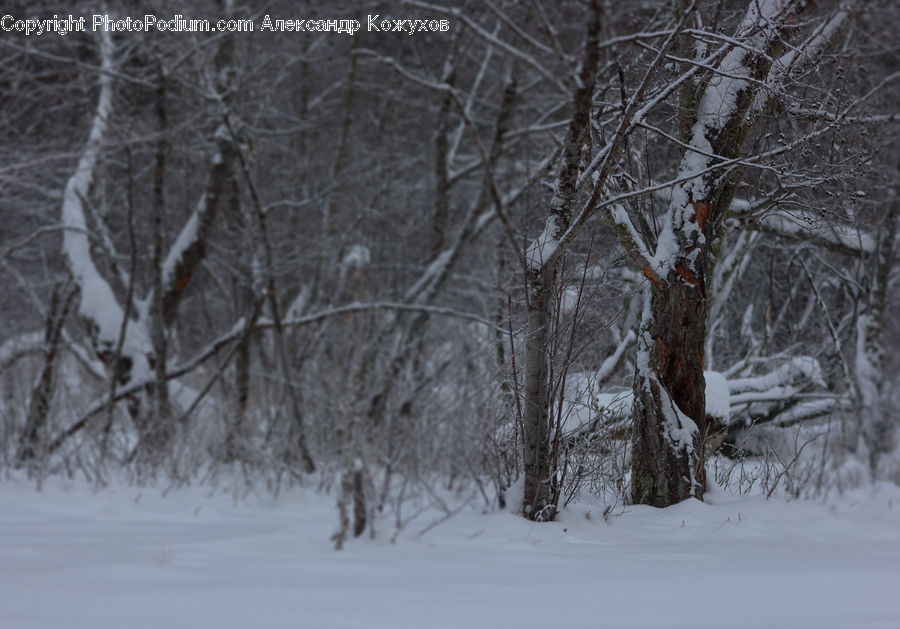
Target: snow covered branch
[(189, 248), (98, 305)]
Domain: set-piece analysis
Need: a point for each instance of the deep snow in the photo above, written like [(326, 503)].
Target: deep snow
[(123, 557)]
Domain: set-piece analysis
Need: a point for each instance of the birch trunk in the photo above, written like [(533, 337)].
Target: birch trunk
[(541, 258), (877, 422)]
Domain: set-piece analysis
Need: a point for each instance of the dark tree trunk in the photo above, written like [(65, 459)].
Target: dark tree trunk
[(359, 504), (160, 430), (30, 446), (538, 500), (667, 461)]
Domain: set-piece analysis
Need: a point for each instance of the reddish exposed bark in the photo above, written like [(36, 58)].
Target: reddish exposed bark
[(673, 339)]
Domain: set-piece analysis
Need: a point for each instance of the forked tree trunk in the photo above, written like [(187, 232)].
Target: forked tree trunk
[(670, 424)]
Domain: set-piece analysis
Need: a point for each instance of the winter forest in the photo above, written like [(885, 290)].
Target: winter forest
[(411, 270)]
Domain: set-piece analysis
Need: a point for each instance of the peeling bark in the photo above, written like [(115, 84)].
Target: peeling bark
[(668, 468)]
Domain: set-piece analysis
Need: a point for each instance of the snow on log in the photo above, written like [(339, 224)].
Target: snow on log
[(831, 235), (797, 370), (737, 399)]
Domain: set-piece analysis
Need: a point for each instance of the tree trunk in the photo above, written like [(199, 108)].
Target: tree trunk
[(670, 424), (541, 259), (31, 445), (667, 460), (160, 429), (877, 421), (538, 501)]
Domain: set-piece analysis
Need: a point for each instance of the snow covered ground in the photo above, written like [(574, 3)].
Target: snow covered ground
[(129, 558)]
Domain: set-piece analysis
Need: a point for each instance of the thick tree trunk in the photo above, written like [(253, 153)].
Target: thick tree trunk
[(667, 461)]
